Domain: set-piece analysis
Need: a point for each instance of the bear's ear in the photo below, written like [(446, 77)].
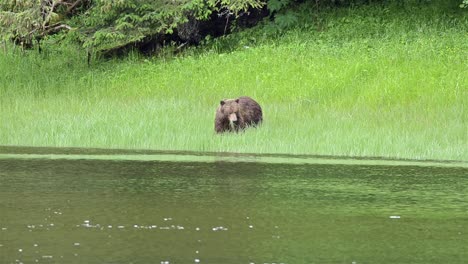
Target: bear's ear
[(222, 102), (237, 100)]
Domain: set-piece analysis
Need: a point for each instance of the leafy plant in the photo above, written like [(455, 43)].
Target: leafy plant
[(464, 4), (104, 25), (27, 21), (277, 5)]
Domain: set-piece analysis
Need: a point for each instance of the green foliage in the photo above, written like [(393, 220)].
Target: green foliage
[(277, 5), (103, 25), (284, 16), (290, 13), (20, 20), (106, 25), (27, 21), (464, 4), (287, 19), (112, 24), (120, 23)]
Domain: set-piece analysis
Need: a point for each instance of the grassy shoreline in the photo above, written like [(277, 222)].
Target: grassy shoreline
[(47, 153), (381, 88)]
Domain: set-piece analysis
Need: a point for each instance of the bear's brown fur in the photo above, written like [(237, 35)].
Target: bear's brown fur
[(236, 114)]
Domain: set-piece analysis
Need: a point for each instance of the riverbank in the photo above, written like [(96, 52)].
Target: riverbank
[(369, 81)]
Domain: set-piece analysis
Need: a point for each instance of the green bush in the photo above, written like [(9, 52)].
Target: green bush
[(103, 25)]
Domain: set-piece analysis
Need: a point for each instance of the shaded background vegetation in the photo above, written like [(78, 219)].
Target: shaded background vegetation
[(112, 27)]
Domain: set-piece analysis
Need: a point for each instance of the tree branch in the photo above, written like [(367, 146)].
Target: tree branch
[(55, 28), (49, 14), (72, 6)]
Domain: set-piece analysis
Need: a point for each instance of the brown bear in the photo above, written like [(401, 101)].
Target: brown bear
[(236, 114)]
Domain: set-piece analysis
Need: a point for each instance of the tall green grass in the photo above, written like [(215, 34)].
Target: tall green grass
[(369, 81)]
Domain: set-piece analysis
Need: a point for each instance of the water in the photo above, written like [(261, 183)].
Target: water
[(149, 211)]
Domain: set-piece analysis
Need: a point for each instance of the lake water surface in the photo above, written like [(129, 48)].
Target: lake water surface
[(74, 208)]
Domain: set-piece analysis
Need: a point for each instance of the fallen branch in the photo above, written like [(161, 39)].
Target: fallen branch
[(72, 6), (55, 28)]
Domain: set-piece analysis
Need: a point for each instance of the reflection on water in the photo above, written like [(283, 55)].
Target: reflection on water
[(104, 211)]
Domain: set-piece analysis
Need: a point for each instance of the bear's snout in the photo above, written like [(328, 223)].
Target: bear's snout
[(233, 118)]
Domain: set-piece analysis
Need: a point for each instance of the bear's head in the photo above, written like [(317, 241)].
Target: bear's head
[(230, 109)]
